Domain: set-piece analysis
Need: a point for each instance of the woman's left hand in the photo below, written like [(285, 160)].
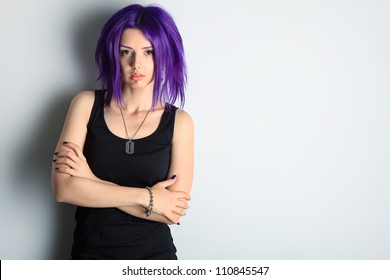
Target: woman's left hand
[(70, 159)]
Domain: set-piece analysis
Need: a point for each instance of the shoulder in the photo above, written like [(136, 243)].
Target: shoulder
[(182, 118), (75, 126), (86, 97), (81, 105), (184, 126)]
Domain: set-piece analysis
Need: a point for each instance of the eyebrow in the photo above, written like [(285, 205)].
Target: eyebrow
[(127, 47)]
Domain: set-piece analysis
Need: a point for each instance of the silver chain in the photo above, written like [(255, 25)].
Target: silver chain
[(124, 123)]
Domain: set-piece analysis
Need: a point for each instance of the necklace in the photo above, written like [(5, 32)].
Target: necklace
[(130, 144)]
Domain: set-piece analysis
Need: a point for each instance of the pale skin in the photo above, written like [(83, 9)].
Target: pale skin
[(73, 181)]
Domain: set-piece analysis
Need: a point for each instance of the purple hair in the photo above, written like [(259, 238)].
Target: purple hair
[(158, 27)]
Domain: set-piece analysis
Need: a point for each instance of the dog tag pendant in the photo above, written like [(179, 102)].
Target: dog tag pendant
[(130, 147)]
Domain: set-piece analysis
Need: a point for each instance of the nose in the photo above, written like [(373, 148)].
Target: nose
[(136, 61)]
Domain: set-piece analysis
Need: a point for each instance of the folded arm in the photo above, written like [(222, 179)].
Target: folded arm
[(85, 191), (182, 157)]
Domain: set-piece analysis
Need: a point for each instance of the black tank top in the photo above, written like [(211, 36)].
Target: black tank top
[(109, 233)]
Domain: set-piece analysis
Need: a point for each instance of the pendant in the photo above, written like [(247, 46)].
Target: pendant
[(130, 147)]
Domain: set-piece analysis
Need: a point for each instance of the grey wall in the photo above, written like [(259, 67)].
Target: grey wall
[(291, 105)]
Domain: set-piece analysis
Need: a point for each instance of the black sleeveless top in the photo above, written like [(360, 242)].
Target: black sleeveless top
[(109, 233)]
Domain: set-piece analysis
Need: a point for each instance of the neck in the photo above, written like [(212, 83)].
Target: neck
[(137, 99)]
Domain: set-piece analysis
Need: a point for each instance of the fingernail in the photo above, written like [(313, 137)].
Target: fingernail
[(178, 224), (54, 160), (65, 142), (173, 177), (56, 168), (56, 153)]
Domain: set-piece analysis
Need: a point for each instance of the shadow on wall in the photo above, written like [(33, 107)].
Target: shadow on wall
[(34, 159)]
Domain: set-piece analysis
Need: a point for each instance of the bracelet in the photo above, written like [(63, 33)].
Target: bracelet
[(150, 208)]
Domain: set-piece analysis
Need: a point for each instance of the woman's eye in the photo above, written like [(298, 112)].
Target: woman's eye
[(149, 52), (124, 52)]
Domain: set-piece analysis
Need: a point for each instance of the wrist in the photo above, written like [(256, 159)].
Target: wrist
[(149, 209), (144, 198)]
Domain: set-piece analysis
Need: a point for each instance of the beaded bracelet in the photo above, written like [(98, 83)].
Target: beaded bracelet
[(150, 208)]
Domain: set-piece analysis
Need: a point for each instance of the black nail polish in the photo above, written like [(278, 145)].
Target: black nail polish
[(56, 153), (54, 160), (56, 168), (178, 224), (173, 177), (65, 142)]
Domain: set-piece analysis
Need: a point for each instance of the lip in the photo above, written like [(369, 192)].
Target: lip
[(137, 77)]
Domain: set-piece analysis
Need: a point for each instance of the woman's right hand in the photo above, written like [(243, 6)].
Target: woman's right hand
[(69, 159), (171, 204)]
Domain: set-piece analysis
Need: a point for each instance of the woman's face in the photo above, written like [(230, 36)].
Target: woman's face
[(136, 59)]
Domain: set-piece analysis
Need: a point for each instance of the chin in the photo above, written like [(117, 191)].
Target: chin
[(135, 85), (141, 85)]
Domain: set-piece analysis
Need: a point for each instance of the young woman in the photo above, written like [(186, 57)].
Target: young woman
[(125, 154)]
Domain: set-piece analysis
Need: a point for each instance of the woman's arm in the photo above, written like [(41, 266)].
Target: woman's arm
[(86, 192), (182, 158), (81, 191), (182, 164), (71, 160), (139, 212)]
